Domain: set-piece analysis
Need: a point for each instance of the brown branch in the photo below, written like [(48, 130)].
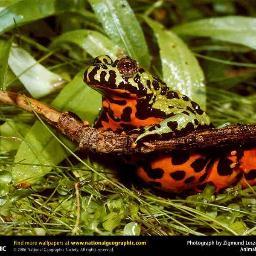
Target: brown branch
[(108, 142)]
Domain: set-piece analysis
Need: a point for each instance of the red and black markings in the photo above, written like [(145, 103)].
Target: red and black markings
[(126, 115), (248, 167), (127, 106), (224, 172), (174, 172), (120, 113), (180, 171), (193, 171)]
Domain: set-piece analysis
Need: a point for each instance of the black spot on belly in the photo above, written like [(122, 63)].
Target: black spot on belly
[(251, 174), (189, 180), (237, 179), (112, 115), (178, 175), (180, 157), (154, 184), (199, 164), (197, 108), (172, 125), (126, 115), (156, 173), (223, 167), (203, 177), (128, 127)]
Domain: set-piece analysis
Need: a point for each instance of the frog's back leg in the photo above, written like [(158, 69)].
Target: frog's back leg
[(224, 171), (180, 171), (176, 124), (248, 167), (174, 172)]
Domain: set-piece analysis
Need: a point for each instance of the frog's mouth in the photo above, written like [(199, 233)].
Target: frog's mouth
[(107, 91)]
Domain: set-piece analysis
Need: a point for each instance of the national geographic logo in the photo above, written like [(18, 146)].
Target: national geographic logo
[(3, 248)]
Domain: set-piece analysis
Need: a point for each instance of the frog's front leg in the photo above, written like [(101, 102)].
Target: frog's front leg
[(178, 123)]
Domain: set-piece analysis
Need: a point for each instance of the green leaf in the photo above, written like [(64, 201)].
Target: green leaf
[(111, 221), (4, 189), (80, 99), (5, 3), (239, 227), (38, 80), (120, 23), (5, 47), (39, 146), (131, 229), (234, 29), (24, 11), (180, 68), (5, 177), (91, 41), (12, 133)]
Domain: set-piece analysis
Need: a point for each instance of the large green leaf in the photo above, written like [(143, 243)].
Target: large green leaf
[(39, 146), (5, 47), (121, 25), (24, 11), (38, 80), (91, 41), (235, 29), (12, 133), (180, 68)]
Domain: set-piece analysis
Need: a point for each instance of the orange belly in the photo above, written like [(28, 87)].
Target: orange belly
[(166, 173), (176, 172)]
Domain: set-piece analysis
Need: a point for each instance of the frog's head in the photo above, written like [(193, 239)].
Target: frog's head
[(122, 77)]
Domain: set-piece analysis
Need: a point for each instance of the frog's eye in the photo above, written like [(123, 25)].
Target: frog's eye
[(104, 59), (127, 66)]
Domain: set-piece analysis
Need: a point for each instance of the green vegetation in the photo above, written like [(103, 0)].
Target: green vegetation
[(45, 46)]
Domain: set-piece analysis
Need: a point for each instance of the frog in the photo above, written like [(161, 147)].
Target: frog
[(135, 101)]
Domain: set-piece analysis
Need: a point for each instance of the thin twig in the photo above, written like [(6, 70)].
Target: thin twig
[(107, 142), (76, 228)]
